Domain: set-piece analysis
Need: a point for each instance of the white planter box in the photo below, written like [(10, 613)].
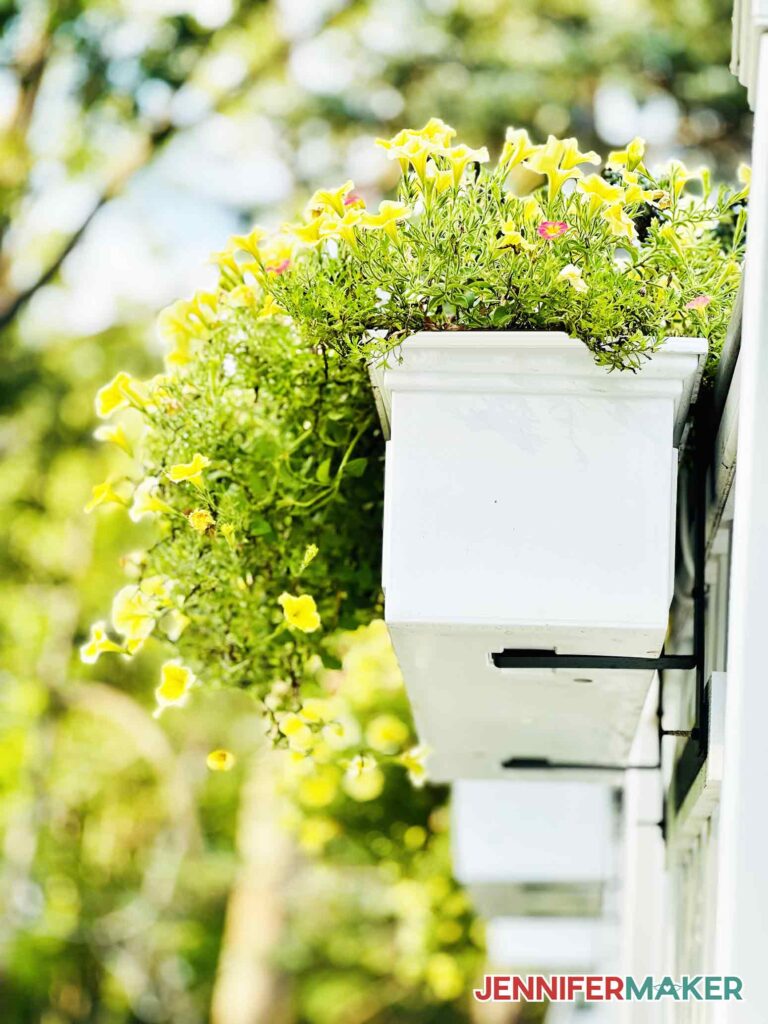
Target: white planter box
[(534, 848), (530, 500), (551, 945)]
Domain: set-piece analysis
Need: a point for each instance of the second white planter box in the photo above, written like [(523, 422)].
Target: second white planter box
[(530, 504)]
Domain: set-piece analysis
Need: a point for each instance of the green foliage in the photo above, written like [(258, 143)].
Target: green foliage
[(620, 261)]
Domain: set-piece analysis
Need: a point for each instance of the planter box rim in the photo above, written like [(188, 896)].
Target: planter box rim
[(532, 362)]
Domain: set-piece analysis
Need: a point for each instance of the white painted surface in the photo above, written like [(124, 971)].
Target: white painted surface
[(742, 915), (550, 944), (533, 847), (530, 499)]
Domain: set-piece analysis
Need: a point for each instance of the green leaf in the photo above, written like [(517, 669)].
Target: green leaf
[(323, 474), (356, 467)]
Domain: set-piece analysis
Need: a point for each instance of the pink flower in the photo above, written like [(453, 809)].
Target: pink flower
[(353, 199), (278, 268), (550, 229), (700, 302)]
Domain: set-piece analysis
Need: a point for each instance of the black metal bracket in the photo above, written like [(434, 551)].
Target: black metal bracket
[(695, 751)]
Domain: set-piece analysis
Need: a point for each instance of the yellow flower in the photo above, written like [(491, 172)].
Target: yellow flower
[(600, 192), (317, 709), (315, 833), (190, 471), (221, 761), (628, 157), (173, 624), (300, 612), (744, 174), (517, 147), (573, 156), (270, 308), (201, 520), (231, 271), (278, 252), (618, 221), (145, 500), (313, 233), (122, 390), (363, 779), (547, 160), (436, 131), (343, 227), (104, 494), (300, 737), (511, 237), (387, 217), (248, 243), (680, 175), (343, 733), (414, 761), (531, 210), (244, 296), (98, 643), (227, 531), (572, 274), (459, 156), (158, 588), (133, 613), (387, 733), (325, 200), (175, 683), (114, 434)]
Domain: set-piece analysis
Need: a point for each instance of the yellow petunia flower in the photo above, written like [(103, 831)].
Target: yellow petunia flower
[(313, 233), (414, 761), (175, 682), (133, 613), (343, 227), (630, 157), (300, 612), (192, 472), (459, 156), (317, 709), (599, 192), (98, 643), (680, 175), (270, 308), (201, 520), (123, 390), (572, 155), (548, 160), (114, 434), (299, 735), (173, 623), (145, 500), (221, 761), (386, 734), (572, 274), (618, 221), (104, 494), (744, 174), (511, 237), (329, 200), (363, 779), (437, 132), (387, 217), (517, 148), (249, 243)]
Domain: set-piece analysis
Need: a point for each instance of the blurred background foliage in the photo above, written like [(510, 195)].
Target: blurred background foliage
[(135, 136)]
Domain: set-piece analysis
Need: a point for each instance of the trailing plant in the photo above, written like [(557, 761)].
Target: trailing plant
[(620, 259), (257, 459)]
